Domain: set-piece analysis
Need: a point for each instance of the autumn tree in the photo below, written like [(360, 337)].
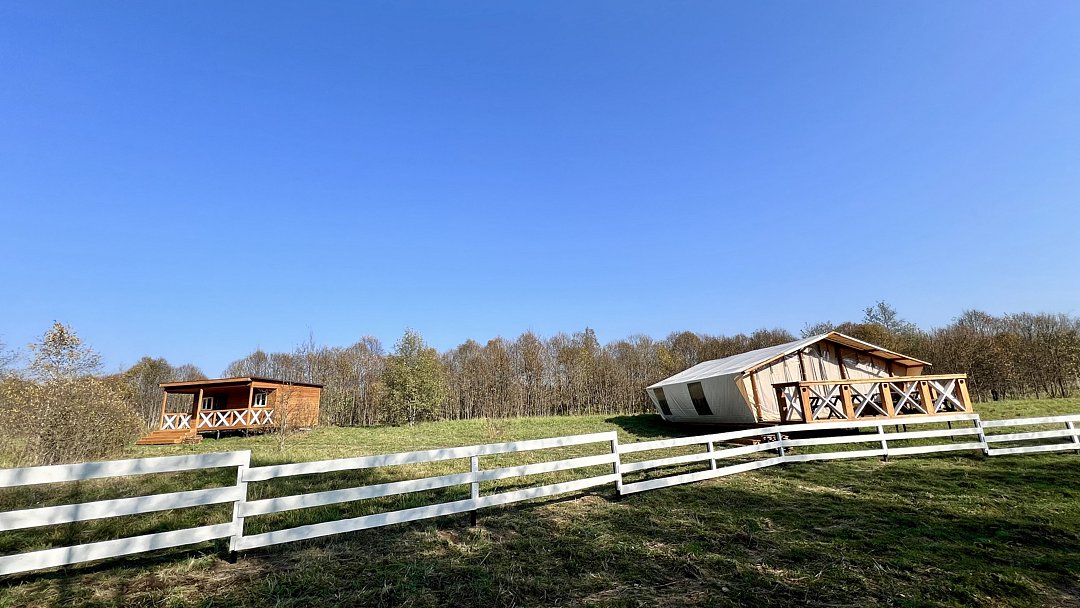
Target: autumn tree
[(414, 380), (144, 379)]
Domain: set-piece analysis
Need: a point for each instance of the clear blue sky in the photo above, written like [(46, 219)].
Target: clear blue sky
[(196, 179)]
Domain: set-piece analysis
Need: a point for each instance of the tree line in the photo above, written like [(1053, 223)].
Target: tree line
[(1006, 357)]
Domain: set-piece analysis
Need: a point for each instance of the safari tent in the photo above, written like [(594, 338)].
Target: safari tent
[(826, 377)]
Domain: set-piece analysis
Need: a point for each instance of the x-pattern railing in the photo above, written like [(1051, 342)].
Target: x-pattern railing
[(219, 419), (222, 419), (175, 422), (826, 399), (870, 397), (946, 400), (907, 398), (894, 396)]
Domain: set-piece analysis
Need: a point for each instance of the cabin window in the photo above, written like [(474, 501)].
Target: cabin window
[(697, 395), (208, 403), (662, 400), (259, 400)]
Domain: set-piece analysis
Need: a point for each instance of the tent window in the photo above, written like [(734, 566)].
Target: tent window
[(697, 395), (662, 400)]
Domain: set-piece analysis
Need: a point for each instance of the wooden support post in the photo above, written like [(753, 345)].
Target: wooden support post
[(849, 407), (782, 404), (840, 362), (802, 367), (886, 399), (474, 466), (927, 398), (961, 385), (804, 397), (197, 410), (757, 396), (164, 404)]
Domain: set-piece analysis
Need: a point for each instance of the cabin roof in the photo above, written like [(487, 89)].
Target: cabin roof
[(747, 361), (219, 382)]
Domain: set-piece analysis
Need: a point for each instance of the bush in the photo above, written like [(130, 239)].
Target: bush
[(63, 420)]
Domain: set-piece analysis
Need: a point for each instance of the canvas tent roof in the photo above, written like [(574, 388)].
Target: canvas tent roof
[(744, 362)]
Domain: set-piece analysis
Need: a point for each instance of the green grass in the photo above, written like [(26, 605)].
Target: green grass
[(939, 530)]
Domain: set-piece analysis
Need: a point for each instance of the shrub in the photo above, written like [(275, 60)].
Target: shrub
[(65, 420)]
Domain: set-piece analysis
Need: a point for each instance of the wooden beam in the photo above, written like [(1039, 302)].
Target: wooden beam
[(757, 395), (873, 380), (886, 399), (927, 398), (804, 397), (164, 403), (195, 415), (251, 396), (839, 361), (845, 397), (961, 384), (802, 367), (781, 403)]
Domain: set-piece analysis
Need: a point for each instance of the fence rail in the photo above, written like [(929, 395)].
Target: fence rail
[(775, 439), (722, 460), (471, 478), (62, 514)]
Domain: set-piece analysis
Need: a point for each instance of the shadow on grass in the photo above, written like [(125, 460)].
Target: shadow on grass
[(652, 425), (916, 532), (717, 544)]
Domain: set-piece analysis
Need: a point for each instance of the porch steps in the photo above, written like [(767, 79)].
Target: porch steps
[(169, 437)]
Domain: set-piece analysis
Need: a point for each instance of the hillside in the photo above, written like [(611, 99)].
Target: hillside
[(944, 530)]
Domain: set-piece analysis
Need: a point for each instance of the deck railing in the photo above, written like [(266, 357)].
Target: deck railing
[(891, 397), (221, 420)]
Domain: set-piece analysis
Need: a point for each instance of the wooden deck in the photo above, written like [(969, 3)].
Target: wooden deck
[(873, 398), (160, 437)]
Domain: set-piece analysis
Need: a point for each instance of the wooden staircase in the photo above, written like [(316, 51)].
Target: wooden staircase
[(170, 437)]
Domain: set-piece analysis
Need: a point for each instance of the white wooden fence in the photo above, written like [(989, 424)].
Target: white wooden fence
[(1011, 439), (471, 478), (775, 440), (63, 514)]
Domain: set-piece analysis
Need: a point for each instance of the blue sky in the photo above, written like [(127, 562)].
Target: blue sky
[(196, 179)]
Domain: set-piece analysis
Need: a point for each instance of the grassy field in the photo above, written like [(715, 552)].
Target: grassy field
[(948, 530)]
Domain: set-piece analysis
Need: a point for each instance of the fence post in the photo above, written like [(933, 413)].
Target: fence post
[(779, 443), (616, 465), (712, 461), (982, 435), (1076, 438), (237, 520), (474, 466), (884, 442)]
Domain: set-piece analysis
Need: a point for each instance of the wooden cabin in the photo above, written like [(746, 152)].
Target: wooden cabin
[(234, 404), (828, 377)]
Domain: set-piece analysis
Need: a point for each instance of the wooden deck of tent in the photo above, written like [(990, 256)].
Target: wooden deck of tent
[(893, 397)]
